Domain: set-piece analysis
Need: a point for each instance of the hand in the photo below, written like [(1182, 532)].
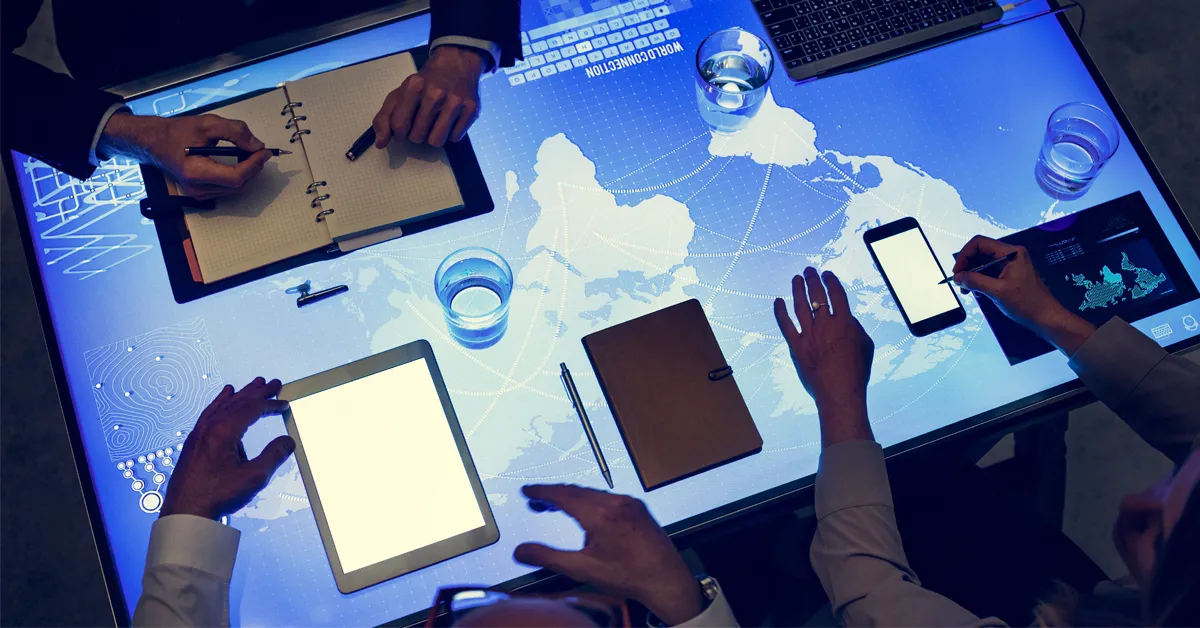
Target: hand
[(625, 552), (213, 477), (1020, 293), (440, 101), (832, 354), (161, 141)]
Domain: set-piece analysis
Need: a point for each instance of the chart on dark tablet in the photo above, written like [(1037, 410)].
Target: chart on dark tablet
[(613, 199)]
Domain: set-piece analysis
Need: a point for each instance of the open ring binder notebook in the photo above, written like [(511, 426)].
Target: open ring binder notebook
[(314, 204)]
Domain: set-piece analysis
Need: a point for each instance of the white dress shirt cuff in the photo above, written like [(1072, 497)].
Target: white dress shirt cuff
[(92, 157), (491, 48), (718, 614), (851, 474), (194, 542)]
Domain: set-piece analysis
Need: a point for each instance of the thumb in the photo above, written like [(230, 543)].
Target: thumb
[(570, 564), (977, 282), (263, 466)]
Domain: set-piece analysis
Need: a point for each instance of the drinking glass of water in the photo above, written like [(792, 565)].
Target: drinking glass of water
[(1080, 139), (473, 286), (733, 67)]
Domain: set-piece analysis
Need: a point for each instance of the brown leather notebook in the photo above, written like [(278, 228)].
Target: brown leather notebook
[(672, 394)]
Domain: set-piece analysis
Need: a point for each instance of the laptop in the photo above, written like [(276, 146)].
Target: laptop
[(816, 38)]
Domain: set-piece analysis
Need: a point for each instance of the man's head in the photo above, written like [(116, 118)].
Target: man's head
[(1157, 533)]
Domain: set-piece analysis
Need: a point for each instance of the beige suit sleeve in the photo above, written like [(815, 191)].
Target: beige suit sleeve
[(857, 553)]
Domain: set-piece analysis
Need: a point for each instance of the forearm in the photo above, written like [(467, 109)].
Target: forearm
[(77, 112), (1150, 389), (857, 552), (188, 567), (496, 21)]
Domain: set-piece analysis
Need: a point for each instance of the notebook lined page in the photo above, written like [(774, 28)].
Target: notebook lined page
[(383, 188), (270, 218)]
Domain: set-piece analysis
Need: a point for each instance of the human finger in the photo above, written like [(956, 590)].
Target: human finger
[(800, 303), (980, 246), (582, 504), (411, 91), (837, 294), (446, 119), (573, 565), (206, 171), (431, 105), (786, 326), (382, 120), (470, 112), (816, 294), (264, 465), (978, 282), (235, 131)]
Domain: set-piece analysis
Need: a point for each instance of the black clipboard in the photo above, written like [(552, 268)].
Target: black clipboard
[(166, 211)]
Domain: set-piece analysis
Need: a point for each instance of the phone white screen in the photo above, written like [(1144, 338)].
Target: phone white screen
[(385, 465), (914, 273)]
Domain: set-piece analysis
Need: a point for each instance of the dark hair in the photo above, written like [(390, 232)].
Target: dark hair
[(1174, 596)]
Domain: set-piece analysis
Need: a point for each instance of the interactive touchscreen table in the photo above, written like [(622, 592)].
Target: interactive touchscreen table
[(613, 199)]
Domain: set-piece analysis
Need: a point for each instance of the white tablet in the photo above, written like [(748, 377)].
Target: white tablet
[(386, 467)]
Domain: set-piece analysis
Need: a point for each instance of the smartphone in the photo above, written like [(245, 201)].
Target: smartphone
[(912, 273)]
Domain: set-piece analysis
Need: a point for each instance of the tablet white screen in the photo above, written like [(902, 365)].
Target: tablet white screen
[(385, 465)]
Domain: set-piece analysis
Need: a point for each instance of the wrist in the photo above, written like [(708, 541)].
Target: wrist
[(126, 135), (465, 57), (841, 422), (169, 509), (1065, 330), (678, 603)]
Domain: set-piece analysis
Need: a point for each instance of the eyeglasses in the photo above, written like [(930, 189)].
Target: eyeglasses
[(451, 604)]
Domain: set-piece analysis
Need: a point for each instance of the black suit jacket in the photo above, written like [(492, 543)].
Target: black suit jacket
[(54, 117)]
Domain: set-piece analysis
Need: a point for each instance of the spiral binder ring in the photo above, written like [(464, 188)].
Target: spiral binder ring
[(293, 120), (288, 108), (312, 187), (296, 135), (317, 201), (322, 214)]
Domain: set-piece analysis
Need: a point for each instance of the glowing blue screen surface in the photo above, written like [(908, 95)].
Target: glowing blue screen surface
[(612, 200)]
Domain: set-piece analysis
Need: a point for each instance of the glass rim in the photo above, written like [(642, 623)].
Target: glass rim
[(449, 310), (1114, 126), (766, 46)]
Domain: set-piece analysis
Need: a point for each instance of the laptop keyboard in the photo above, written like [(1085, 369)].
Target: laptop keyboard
[(807, 31)]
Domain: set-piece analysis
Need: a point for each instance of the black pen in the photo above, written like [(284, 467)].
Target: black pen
[(227, 151), (361, 144), (577, 402), (999, 260)]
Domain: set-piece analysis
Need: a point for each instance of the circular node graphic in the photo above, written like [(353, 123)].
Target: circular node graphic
[(149, 467), (159, 453), (150, 456), (128, 474), (170, 451), (158, 358), (166, 462), (159, 478), (138, 485), (120, 466), (141, 459), (116, 427), (99, 385), (150, 502)]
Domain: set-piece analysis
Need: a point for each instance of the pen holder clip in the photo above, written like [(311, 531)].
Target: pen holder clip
[(719, 374)]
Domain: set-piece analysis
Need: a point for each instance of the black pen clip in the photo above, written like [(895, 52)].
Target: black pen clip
[(717, 375), (307, 297), (153, 209)]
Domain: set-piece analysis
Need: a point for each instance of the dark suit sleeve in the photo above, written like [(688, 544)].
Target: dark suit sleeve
[(46, 114), (497, 21)]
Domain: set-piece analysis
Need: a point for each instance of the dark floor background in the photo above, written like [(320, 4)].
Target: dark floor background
[(49, 571)]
